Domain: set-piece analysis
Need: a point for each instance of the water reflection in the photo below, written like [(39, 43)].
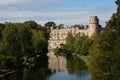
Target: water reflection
[(72, 69), (58, 69), (57, 63)]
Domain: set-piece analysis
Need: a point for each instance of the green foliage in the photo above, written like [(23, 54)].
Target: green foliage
[(49, 24), (39, 42), (16, 39), (57, 51), (82, 44), (84, 50), (69, 42), (31, 24), (104, 56), (101, 55), (10, 42), (78, 44), (16, 43), (2, 26), (21, 40)]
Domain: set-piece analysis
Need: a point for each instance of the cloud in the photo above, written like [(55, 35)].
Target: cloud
[(68, 17), (11, 2), (14, 2), (59, 11)]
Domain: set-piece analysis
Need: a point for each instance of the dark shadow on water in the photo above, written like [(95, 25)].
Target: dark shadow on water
[(75, 69)]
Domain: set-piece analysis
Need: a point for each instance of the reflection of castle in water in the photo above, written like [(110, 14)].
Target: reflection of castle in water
[(57, 63)]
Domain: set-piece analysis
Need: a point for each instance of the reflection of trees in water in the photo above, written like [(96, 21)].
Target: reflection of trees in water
[(41, 72), (73, 65), (76, 66), (36, 74)]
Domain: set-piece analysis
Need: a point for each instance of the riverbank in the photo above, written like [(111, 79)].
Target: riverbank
[(84, 58), (7, 73)]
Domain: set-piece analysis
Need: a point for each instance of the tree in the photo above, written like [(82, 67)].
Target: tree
[(31, 24), (61, 26), (82, 45), (57, 51), (105, 53), (16, 41), (2, 26), (86, 44), (24, 38), (50, 24), (100, 59), (69, 42), (78, 44), (39, 42)]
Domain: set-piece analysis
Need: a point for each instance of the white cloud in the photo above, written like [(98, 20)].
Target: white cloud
[(64, 17), (11, 2)]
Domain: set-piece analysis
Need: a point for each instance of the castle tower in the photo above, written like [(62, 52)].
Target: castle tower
[(93, 25)]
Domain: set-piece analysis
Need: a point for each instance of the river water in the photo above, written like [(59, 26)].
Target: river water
[(56, 69)]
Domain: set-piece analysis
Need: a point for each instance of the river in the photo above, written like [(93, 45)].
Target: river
[(57, 69)]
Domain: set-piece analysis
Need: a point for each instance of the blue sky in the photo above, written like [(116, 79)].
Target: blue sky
[(68, 12)]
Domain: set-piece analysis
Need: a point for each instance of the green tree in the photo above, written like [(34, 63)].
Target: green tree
[(57, 51), (61, 25), (16, 41), (39, 42), (86, 44), (49, 24), (105, 53), (2, 26), (100, 58), (78, 44), (69, 42), (31, 24)]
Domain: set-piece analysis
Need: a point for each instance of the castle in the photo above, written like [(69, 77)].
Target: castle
[(58, 35)]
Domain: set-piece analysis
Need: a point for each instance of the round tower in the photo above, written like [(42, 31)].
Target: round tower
[(93, 25)]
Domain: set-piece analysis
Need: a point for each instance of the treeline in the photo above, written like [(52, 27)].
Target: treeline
[(21, 43)]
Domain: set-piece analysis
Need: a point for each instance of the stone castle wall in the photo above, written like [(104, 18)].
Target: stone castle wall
[(58, 36)]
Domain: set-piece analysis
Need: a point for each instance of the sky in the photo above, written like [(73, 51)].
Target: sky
[(67, 12)]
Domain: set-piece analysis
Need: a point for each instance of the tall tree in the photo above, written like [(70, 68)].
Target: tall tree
[(39, 42), (104, 56), (16, 41), (78, 43), (31, 24)]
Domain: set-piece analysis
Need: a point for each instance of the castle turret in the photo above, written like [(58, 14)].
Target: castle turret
[(93, 25)]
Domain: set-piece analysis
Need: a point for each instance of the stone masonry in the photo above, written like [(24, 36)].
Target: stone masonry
[(58, 35)]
